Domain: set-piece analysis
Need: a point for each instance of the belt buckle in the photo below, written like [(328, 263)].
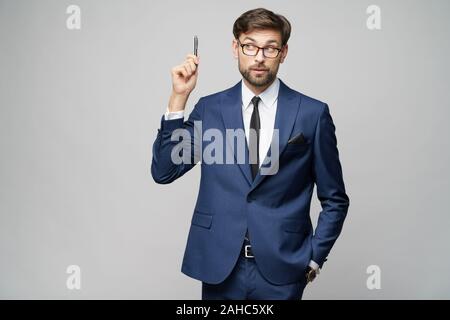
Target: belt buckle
[(247, 250)]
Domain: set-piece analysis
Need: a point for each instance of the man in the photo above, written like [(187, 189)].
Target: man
[(251, 235)]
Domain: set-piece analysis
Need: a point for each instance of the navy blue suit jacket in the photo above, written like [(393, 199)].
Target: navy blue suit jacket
[(274, 208)]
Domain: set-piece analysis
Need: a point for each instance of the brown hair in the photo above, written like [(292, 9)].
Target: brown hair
[(261, 18)]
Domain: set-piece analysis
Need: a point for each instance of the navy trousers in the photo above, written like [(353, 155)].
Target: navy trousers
[(246, 283)]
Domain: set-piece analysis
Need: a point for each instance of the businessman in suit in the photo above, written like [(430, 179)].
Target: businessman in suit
[(251, 235)]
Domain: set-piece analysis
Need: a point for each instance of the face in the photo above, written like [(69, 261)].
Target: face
[(248, 65)]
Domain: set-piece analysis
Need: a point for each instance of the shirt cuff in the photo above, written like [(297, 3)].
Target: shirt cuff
[(173, 115), (314, 265)]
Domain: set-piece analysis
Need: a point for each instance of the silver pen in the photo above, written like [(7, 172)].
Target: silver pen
[(195, 45)]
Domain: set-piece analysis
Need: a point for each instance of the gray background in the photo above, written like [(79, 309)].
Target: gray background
[(79, 111)]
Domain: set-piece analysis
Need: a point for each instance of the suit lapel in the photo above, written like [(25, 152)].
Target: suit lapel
[(231, 107), (288, 105)]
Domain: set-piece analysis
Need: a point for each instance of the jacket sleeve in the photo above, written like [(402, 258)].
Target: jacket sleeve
[(330, 188), (177, 136)]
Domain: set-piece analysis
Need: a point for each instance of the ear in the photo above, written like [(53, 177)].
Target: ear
[(235, 48), (284, 53)]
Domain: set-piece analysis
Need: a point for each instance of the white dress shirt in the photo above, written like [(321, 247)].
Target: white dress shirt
[(267, 108)]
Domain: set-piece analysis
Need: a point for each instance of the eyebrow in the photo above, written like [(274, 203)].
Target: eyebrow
[(269, 41)]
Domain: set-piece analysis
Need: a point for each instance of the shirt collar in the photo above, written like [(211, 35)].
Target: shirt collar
[(268, 96)]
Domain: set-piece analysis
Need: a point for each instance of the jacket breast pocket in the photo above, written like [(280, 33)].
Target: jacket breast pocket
[(297, 147), (201, 219)]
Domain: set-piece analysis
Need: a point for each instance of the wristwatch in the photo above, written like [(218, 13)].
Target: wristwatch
[(310, 274)]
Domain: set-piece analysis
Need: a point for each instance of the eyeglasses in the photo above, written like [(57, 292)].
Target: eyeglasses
[(252, 50)]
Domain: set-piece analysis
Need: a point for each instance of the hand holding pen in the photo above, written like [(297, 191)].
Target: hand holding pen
[(184, 79)]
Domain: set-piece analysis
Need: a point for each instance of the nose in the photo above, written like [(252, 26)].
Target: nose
[(260, 56)]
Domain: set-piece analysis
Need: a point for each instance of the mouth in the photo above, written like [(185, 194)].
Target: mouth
[(259, 71)]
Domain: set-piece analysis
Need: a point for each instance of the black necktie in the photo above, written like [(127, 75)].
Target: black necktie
[(254, 140)]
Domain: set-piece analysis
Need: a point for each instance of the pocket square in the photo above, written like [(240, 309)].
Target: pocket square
[(298, 139)]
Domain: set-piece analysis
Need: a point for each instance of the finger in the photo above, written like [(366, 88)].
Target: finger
[(176, 71), (189, 68), (193, 57), (184, 72), (193, 65), (181, 71), (188, 72)]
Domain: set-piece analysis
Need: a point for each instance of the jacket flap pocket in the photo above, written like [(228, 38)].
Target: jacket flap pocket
[(202, 219), (297, 139), (297, 146)]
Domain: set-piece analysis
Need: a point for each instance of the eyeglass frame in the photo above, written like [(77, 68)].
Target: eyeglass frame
[(257, 51)]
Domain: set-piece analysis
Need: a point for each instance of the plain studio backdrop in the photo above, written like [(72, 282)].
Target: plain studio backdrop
[(80, 109)]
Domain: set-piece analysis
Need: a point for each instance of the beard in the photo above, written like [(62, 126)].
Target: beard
[(258, 81)]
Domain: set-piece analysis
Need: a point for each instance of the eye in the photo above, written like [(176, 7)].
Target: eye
[(270, 49), (250, 47)]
